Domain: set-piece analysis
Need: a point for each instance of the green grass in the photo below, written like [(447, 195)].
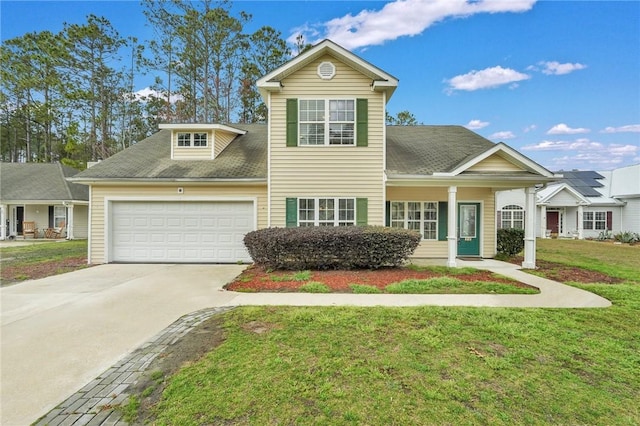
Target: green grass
[(422, 365), (48, 258), (620, 261), (295, 276), (314, 287), (449, 285)]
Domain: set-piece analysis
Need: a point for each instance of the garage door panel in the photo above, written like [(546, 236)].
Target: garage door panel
[(180, 231)]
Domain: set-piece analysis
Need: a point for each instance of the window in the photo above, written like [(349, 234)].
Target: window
[(327, 122), (416, 215), (512, 217), (192, 139), (594, 220), (326, 212), (59, 216)]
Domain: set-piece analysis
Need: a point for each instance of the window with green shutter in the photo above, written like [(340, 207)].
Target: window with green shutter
[(313, 122)]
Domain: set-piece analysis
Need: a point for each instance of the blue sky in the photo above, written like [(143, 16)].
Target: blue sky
[(557, 80)]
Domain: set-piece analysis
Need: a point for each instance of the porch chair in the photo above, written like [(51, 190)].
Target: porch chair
[(57, 232), (29, 228)]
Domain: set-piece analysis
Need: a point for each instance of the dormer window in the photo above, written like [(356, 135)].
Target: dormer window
[(198, 140)]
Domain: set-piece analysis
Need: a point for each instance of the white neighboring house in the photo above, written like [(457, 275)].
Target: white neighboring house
[(584, 204)]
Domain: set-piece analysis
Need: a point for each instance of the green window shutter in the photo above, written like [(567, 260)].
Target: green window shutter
[(361, 211), (292, 122), (292, 213), (442, 221), (387, 213), (362, 122)]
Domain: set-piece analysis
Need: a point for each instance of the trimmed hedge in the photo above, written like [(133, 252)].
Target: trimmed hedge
[(328, 247), (510, 241)]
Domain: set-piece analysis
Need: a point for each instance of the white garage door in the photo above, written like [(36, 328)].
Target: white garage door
[(185, 232)]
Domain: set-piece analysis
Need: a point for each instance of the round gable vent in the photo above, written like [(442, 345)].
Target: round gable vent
[(326, 70)]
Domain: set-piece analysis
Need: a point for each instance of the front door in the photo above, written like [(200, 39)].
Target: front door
[(469, 229), (19, 219), (553, 222)]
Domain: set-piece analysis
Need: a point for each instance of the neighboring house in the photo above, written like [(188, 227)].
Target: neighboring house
[(584, 204), (40, 193), (191, 192)]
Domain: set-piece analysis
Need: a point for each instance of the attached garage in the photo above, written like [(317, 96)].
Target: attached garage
[(180, 231)]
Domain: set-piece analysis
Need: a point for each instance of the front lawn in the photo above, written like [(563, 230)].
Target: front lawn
[(41, 259), (425, 365)]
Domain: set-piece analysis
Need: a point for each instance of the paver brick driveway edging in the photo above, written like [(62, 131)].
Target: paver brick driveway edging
[(98, 402)]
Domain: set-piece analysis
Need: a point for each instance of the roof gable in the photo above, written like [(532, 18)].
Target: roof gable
[(562, 193), (381, 80), (484, 161)]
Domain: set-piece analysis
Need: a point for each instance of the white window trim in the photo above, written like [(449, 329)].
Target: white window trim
[(192, 140), (327, 123), (336, 211), (592, 222), (422, 217), (510, 209)]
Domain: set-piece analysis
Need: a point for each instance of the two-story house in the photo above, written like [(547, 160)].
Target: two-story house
[(190, 192)]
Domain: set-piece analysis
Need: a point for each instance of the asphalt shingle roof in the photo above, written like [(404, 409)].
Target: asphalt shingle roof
[(244, 158), (39, 181), (411, 150), (424, 150)]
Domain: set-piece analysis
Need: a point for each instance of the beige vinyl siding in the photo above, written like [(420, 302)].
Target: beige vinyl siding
[(494, 163), (80, 222), (438, 249), (327, 171), (191, 152), (98, 194), (221, 140), (38, 213)]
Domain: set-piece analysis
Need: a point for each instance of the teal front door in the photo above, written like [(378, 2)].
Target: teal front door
[(469, 229)]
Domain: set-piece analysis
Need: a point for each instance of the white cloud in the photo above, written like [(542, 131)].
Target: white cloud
[(585, 154), (556, 68), (502, 136), (148, 92), (631, 128), (476, 124), (530, 128), (485, 79), (563, 129), (400, 18)]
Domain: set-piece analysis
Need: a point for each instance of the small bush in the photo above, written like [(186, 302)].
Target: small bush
[(627, 237), (317, 248), (314, 287), (510, 241)]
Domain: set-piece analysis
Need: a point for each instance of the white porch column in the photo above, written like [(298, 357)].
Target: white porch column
[(4, 216), (452, 234), (529, 229), (543, 221), (580, 222), (70, 222)]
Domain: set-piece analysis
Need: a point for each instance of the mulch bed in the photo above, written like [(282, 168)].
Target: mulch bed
[(563, 273), (257, 279)]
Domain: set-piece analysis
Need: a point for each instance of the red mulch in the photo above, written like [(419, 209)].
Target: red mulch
[(563, 273), (257, 279)]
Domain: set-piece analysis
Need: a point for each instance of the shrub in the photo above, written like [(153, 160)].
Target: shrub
[(347, 247), (510, 241), (627, 237)]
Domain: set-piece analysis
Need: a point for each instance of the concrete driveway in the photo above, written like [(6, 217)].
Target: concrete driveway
[(59, 333)]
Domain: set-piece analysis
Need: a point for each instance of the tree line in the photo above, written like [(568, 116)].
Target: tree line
[(70, 96)]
